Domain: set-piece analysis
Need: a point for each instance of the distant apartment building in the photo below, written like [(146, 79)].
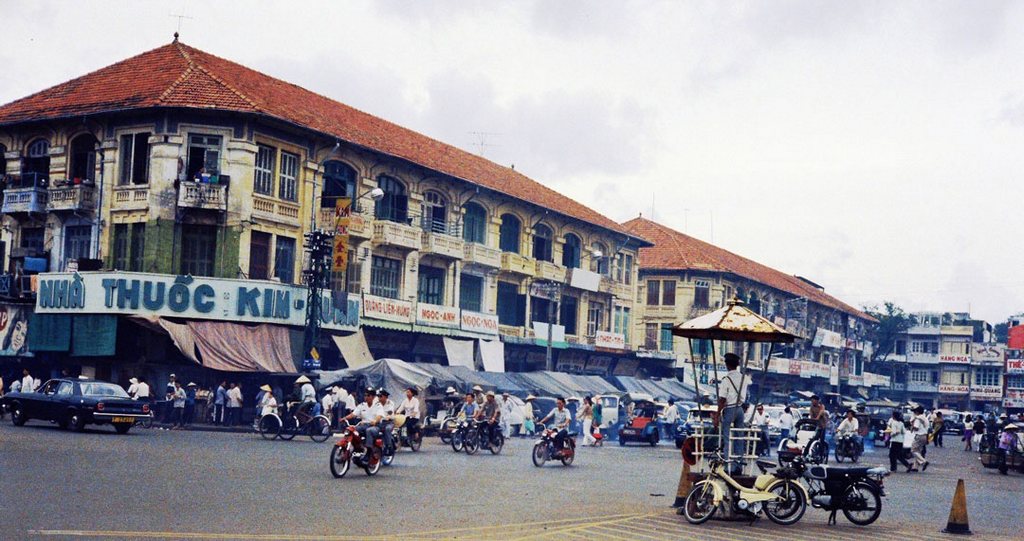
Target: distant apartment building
[(682, 277)]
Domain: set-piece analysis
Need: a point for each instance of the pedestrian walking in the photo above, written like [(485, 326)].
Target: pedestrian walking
[(234, 404), (968, 431), (327, 404), (938, 427), (190, 403), (919, 428), (142, 391), (203, 409), (28, 383), (758, 419), (506, 414), (178, 409), (220, 400), (897, 432), (587, 415), (528, 418), (1007, 442), (597, 419), (785, 423), (979, 431)]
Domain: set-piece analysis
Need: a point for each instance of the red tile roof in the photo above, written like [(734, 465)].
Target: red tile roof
[(673, 250), (176, 75)]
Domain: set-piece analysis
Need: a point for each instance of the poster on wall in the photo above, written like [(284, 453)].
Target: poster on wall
[(13, 330)]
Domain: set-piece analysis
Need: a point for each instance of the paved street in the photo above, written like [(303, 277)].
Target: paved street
[(193, 485)]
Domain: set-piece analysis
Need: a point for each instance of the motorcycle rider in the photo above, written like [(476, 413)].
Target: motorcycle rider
[(388, 407), (561, 418), (369, 414), (819, 414), (411, 408), (490, 413), (850, 427), (468, 407)]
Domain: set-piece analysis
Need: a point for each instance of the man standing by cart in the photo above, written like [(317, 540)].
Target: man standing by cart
[(732, 391)]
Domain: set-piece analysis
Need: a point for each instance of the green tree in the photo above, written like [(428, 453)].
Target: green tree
[(893, 322), (1002, 332)]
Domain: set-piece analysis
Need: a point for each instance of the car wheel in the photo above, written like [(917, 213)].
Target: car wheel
[(76, 422), (18, 417), (122, 428), (622, 442)]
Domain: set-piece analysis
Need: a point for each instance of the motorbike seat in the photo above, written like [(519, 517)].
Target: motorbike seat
[(766, 464), (834, 473)]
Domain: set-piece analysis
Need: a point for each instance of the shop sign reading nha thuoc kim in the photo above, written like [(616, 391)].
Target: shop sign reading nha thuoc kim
[(240, 301)]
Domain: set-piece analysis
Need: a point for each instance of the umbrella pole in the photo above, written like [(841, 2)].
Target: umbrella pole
[(696, 386), (718, 395)]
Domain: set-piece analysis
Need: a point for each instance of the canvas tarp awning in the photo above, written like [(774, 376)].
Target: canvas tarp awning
[(460, 352), (180, 334), (492, 355), (354, 349), (391, 374), (233, 347)]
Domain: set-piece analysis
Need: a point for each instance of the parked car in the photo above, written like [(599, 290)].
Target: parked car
[(952, 421), (75, 403)]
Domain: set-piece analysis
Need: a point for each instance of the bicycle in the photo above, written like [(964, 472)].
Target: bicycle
[(286, 426)]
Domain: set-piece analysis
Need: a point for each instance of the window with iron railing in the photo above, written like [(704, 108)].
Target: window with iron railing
[(474, 222), (471, 292), (394, 205), (509, 233), (431, 285)]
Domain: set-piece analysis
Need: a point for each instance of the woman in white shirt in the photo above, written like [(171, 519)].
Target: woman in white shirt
[(897, 433), (268, 404), (785, 423), (411, 408)]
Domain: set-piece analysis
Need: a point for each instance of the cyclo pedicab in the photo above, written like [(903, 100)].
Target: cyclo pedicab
[(735, 483)]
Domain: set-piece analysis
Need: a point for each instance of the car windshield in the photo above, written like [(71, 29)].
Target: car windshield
[(103, 389)]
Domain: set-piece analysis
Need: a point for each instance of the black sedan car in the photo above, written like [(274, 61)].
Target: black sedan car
[(74, 403)]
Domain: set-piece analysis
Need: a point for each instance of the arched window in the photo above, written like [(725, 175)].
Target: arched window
[(35, 168), (394, 206), (509, 233), (339, 181), (435, 213), (600, 263), (474, 223), (755, 303), (83, 158), (571, 251), (542, 242)]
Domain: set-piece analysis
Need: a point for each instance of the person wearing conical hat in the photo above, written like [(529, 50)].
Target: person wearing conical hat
[(267, 403)]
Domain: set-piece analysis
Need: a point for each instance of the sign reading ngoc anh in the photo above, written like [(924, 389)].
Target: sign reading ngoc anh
[(144, 294)]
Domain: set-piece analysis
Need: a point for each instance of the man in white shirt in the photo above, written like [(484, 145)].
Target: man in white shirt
[(142, 390), (388, 407), (919, 427), (234, 404), (134, 387), (732, 394), (786, 422), (411, 408), (506, 414), (369, 415), (669, 417), (28, 384), (759, 419)]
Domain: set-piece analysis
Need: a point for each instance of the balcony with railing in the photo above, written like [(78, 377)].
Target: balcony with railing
[(513, 262), (442, 239), (200, 195), (482, 255), (547, 270), (25, 200), (131, 197), (274, 210), (397, 234), (72, 198), (660, 312)]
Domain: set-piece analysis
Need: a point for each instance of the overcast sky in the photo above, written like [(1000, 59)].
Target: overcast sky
[(875, 148)]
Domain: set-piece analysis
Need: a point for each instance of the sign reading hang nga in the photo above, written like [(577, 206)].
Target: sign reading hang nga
[(145, 294), (954, 358), (945, 388)]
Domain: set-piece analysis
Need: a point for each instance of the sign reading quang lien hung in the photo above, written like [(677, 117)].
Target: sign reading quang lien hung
[(131, 293)]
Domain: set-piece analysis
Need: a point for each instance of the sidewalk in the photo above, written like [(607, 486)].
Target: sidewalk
[(197, 427)]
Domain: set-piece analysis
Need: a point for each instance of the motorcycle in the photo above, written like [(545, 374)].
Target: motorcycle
[(475, 438), (848, 447), (459, 435), (857, 492), (544, 449), (351, 448), (401, 436), (782, 499)]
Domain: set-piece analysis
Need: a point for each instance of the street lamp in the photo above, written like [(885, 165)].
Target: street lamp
[(553, 290)]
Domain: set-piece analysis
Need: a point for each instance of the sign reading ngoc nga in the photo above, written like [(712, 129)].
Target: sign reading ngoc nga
[(145, 294), (479, 323)]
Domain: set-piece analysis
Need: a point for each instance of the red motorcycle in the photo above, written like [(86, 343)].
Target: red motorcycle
[(545, 449), (352, 448)]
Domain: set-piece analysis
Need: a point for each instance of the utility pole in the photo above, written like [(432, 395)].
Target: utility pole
[(319, 244)]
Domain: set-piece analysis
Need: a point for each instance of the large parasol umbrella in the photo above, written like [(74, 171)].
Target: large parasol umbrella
[(732, 322)]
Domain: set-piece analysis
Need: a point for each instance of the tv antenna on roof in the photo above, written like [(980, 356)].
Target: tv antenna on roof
[(179, 17), (482, 140)]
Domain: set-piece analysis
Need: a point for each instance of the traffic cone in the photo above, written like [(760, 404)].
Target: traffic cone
[(684, 486), (957, 523)]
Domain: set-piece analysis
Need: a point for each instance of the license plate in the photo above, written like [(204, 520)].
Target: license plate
[(123, 420)]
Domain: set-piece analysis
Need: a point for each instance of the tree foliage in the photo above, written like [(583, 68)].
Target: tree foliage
[(893, 322)]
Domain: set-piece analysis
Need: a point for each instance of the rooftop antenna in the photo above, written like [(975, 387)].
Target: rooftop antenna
[(179, 16), (652, 206), (482, 140)]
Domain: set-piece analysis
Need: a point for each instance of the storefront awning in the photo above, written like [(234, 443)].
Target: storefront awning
[(492, 353), (93, 335), (460, 352), (354, 349), (234, 347)]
